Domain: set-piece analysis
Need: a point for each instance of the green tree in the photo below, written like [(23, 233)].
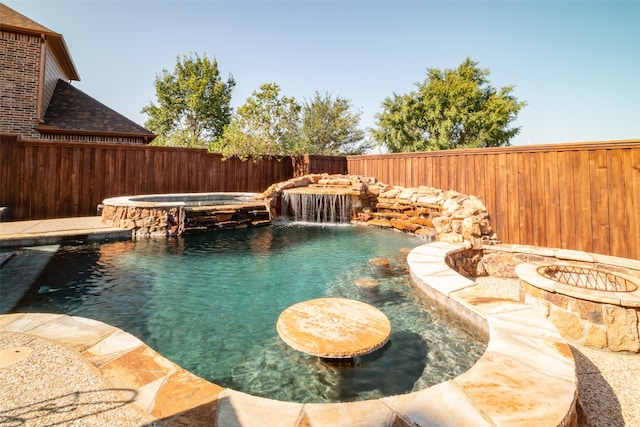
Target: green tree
[(193, 103), (330, 128), (451, 109), (266, 125)]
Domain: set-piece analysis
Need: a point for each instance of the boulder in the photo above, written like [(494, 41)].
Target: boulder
[(367, 283), (442, 224)]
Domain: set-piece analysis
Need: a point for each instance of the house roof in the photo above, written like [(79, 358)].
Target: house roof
[(12, 21), (72, 111)]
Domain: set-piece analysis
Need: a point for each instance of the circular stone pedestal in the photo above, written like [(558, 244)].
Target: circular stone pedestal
[(334, 328)]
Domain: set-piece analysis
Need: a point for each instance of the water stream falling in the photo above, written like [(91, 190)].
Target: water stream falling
[(323, 208)]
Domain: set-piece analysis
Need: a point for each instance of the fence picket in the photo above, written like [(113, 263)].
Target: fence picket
[(574, 196)]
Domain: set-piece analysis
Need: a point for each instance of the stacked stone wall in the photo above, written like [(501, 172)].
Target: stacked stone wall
[(144, 222), (172, 221), (438, 214), (594, 324)]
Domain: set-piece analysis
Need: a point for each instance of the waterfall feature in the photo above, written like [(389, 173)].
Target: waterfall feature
[(323, 208)]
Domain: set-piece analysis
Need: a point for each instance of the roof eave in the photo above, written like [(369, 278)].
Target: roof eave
[(58, 46), (60, 49)]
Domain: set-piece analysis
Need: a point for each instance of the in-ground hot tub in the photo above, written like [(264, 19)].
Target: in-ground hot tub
[(161, 215), (598, 306)]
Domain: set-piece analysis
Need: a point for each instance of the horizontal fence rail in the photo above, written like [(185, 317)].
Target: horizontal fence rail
[(573, 196)]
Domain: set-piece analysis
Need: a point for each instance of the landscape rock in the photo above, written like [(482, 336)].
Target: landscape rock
[(437, 214)]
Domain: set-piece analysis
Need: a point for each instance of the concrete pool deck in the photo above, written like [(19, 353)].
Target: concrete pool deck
[(49, 231), (59, 366)]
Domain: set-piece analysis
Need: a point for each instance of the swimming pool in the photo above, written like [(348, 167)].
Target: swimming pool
[(210, 303)]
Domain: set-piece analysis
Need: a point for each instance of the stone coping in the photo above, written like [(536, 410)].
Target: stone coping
[(566, 255), (528, 272), (525, 377), (182, 199)]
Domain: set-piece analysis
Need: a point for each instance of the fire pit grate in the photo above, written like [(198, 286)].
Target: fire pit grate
[(588, 278)]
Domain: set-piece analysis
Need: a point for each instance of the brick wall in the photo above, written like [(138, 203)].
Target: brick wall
[(19, 75)]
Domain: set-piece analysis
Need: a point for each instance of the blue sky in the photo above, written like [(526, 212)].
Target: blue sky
[(575, 63)]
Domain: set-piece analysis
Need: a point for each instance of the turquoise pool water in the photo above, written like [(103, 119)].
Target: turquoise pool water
[(210, 303)]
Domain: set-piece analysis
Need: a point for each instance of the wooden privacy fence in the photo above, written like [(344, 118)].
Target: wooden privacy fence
[(41, 179), (574, 196), (318, 164)]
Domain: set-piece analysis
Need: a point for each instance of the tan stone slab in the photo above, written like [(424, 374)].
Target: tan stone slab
[(78, 333), (26, 322), (146, 394), (323, 190), (7, 319), (236, 409), (334, 328), (379, 223), (617, 261), (187, 398), (573, 255), (438, 275), (138, 368), (369, 413), (527, 337), (481, 298), (111, 348), (441, 405), (510, 393)]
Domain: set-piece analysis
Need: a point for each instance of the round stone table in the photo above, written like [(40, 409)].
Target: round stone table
[(334, 328)]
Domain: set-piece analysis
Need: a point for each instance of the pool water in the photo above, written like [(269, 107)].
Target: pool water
[(210, 303)]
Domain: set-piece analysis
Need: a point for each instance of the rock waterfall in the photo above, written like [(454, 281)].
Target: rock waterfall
[(317, 207)]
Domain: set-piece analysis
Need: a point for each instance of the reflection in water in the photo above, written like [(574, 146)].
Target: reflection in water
[(394, 369), (405, 355), (89, 281)]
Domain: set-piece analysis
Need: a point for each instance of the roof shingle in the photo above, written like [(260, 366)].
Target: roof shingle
[(74, 111), (10, 19)]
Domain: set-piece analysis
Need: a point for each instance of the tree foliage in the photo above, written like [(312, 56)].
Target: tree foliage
[(450, 109), (193, 103), (266, 125), (330, 128)]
